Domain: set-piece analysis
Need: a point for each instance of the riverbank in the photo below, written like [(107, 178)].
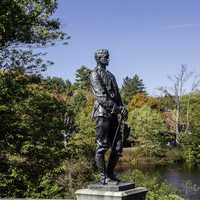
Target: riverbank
[(167, 176), (138, 157)]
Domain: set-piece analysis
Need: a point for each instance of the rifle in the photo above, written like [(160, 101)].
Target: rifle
[(115, 139)]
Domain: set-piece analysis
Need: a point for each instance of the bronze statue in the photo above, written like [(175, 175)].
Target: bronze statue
[(108, 112)]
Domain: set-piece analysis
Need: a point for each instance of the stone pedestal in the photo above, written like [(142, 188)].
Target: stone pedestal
[(122, 191)]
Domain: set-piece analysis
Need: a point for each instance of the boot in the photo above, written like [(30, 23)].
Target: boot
[(100, 163), (111, 177)]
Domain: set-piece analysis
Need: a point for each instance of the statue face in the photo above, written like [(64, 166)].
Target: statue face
[(104, 59)]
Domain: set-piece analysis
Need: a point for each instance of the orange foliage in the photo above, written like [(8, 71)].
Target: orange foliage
[(140, 99)]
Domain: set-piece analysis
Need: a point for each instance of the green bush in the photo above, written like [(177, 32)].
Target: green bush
[(31, 139), (157, 190), (147, 126)]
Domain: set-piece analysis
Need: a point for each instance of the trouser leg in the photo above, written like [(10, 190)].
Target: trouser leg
[(102, 129), (113, 162), (112, 165), (100, 163), (105, 132)]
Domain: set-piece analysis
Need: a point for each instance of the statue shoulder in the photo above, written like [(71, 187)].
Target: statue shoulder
[(93, 73), (110, 74)]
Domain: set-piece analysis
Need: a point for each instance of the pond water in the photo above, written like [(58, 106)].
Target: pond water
[(186, 180)]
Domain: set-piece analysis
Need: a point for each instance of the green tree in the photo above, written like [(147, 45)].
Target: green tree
[(190, 138), (58, 85), (177, 91), (83, 139), (82, 80), (130, 87), (28, 22), (26, 60), (166, 103), (194, 111), (32, 146), (147, 124), (79, 170)]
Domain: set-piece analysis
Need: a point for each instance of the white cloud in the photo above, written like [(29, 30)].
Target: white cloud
[(182, 26)]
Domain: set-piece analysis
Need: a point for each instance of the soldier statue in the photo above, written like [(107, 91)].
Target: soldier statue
[(108, 111)]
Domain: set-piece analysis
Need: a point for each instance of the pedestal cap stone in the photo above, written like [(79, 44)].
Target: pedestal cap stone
[(138, 193), (122, 186)]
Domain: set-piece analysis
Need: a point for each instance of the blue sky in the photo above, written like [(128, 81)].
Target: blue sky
[(151, 38)]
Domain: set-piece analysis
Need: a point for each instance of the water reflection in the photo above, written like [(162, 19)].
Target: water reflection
[(186, 180)]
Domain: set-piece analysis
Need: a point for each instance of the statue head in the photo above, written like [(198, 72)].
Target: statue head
[(102, 57)]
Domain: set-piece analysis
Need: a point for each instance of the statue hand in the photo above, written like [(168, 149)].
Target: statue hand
[(116, 109)]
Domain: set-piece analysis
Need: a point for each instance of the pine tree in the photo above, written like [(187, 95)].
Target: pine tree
[(83, 78), (130, 87)]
